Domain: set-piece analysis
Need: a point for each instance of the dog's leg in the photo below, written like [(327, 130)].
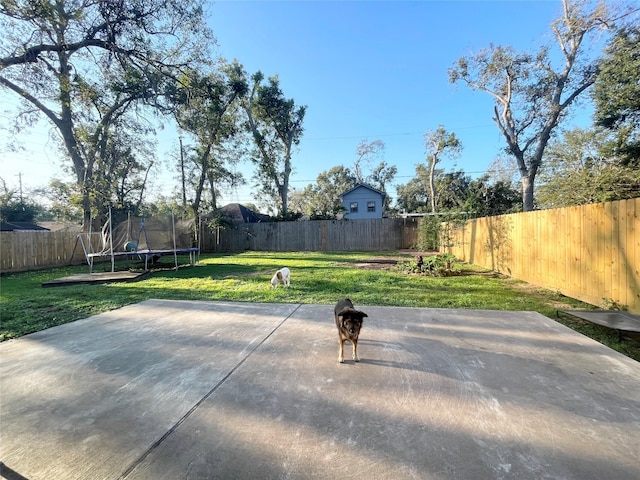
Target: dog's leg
[(355, 351), (341, 351)]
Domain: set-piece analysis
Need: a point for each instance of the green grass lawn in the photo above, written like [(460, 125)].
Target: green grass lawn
[(317, 278)]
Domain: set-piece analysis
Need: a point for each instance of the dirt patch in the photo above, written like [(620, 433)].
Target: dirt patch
[(388, 262), (376, 264)]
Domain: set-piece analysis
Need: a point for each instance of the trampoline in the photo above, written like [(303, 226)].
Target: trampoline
[(142, 238)]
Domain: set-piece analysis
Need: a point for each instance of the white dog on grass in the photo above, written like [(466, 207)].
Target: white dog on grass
[(283, 275)]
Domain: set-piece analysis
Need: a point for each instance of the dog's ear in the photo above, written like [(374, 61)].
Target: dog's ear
[(344, 315)]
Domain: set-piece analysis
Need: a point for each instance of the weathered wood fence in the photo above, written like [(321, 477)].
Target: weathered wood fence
[(588, 252), (21, 251), (317, 235)]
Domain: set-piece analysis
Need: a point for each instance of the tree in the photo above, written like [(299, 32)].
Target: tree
[(65, 200), (380, 177), (121, 167), (366, 152), (617, 94), (532, 95), (321, 200), (458, 193), (486, 198), (413, 197), (503, 170), (578, 171), (205, 110), (439, 143), (60, 57), (14, 208), (276, 125), (453, 190)]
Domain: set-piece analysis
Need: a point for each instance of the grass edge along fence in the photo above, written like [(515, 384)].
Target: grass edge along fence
[(588, 252)]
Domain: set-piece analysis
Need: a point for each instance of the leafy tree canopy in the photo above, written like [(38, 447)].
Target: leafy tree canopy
[(320, 200), (87, 65), (533, 92), (276, 125), (579, 170), (617, 93)]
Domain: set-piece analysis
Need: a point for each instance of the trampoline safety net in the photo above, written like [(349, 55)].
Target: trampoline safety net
[(145, 237), (156, 233)]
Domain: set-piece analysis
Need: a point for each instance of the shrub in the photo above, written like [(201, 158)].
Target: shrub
[(436, 265)]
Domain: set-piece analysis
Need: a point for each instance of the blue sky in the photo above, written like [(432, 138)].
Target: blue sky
[(367, 70)]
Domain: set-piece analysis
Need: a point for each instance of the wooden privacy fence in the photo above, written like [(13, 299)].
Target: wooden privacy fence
[(21, 251), (588, 252), (317, 235)]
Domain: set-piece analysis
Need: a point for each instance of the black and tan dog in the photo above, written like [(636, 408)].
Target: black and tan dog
[(349, 322)]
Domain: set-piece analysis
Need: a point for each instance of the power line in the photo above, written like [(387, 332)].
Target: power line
[(350, 137)]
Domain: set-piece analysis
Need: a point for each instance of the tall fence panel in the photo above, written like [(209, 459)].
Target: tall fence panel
[(588, 252), (319, 235), (21, 251)]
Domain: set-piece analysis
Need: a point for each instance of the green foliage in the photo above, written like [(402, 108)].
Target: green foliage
[(429, 233), (617, 93), (439, 143), (435, 231), (321, 200), (441, 265), (276, 125), (533, 92), (578, 171), (457, 192), (207, 109), (13, 209), (19, 212), (413, 197), (485, 199), (86, 66)]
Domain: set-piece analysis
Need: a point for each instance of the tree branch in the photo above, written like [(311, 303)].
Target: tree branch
[(31, 99), (32, 54)]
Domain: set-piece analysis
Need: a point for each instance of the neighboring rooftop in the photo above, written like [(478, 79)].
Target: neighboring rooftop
[(238, 213), (21, 227)]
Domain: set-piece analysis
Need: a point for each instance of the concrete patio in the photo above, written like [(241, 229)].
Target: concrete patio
[(206, 390)]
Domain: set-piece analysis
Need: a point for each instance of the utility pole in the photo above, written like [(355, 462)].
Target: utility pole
[(184, 190), (20, 184)]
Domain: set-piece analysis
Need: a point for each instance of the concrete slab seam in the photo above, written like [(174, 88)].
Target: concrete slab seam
[(158, 442)]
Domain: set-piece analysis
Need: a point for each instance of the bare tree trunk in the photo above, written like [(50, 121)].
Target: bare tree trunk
[(184, 186), (527, 192), (214, 199), (432, 185), (204, 164)]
